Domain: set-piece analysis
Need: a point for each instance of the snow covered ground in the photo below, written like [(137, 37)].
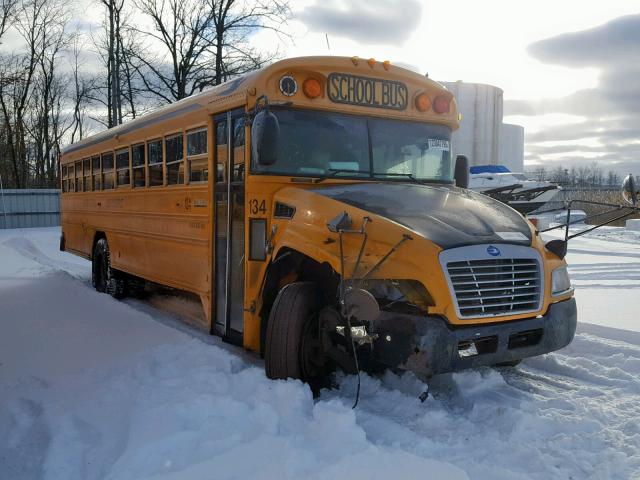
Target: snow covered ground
[(95, 388), (605, 269)]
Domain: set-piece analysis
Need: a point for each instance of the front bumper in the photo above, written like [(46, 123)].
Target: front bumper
[(429, 345)]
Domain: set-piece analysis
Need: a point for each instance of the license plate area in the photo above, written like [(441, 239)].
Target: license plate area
[(477, 346)]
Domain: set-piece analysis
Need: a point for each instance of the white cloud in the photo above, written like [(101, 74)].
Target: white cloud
[(385, 22)]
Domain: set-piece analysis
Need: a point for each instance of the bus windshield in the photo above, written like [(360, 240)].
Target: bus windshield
[(319, 144)]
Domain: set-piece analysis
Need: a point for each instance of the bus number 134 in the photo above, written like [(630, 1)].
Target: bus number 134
[(257, 206)]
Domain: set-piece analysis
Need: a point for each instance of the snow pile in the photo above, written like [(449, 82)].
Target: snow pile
[(188, 410), (604, 267), (95, 388)]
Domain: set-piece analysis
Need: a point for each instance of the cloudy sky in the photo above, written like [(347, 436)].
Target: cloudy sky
[(570, 69)]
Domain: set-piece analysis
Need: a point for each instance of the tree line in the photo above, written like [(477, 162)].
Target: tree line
[(62, 79), (585, 176)]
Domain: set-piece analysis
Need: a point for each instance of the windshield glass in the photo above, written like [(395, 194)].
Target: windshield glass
[(319, 144)]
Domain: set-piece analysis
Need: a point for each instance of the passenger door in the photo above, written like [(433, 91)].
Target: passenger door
[(229, 225)]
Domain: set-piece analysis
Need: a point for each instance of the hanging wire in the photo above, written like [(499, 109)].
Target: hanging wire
[(342, 293), (355, 357)]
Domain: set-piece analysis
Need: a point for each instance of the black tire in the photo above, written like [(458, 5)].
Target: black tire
[(292, 315), (512, 363), (104, 278)]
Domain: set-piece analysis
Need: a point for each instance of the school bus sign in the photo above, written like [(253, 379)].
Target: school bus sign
[(366, 91)]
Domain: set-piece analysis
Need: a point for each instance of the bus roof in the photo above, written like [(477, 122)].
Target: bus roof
[(260, 79)]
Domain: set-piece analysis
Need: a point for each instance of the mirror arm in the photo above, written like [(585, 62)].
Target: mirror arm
[(461, 171), (615, 219)]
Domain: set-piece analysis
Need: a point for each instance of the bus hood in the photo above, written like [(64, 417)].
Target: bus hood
[(447, 216)]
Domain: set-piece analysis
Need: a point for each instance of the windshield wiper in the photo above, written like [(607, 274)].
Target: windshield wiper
[(336, 171), (408, 175)]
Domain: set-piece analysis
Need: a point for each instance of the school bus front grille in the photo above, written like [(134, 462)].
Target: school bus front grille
[(495, 287)]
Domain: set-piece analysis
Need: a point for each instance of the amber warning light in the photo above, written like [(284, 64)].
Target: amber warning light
[(312, 88), (422, 102)]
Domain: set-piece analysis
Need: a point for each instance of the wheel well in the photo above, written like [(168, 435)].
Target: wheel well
[(293, 266), (97, 236)]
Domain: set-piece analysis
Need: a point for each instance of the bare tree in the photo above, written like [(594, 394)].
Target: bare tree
[(7, 11), (81, 92), (16, 82), (117, 89), (32, 93), (48, 94), (51, 89), (596, 177), (573, 176), (183, 30), (582, 176), (113, 59), (613, 179), (128, 47), (557, 175), (203, 43), (234, 21)]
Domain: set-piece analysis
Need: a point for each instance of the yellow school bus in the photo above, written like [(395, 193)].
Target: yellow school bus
[(315, 209)]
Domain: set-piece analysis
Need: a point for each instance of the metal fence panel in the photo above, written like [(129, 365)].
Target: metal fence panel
[(29, 208)]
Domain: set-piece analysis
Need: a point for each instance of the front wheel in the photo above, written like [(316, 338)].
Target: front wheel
[(292, 347)]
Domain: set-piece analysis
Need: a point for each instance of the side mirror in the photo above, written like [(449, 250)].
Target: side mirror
[(630, 190), (461, 172), (265, 134)]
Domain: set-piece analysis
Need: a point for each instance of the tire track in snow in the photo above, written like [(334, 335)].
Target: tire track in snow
[(27, 249)]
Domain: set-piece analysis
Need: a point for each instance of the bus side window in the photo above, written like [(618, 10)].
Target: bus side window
[(154, 156), (197, 155), (238, 134), (95, 163), (63, 175), (86, 174), (221, 132), (175, 165), (221, 150), (107, 171), (71, 176), (122, 167), (238, 149), (137, 161), (78, 176)]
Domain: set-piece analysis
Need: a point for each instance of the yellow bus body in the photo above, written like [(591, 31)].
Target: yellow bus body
[(166, 233)]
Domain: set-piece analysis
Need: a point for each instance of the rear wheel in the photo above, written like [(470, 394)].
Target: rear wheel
[(292, 347), (104, 278)]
